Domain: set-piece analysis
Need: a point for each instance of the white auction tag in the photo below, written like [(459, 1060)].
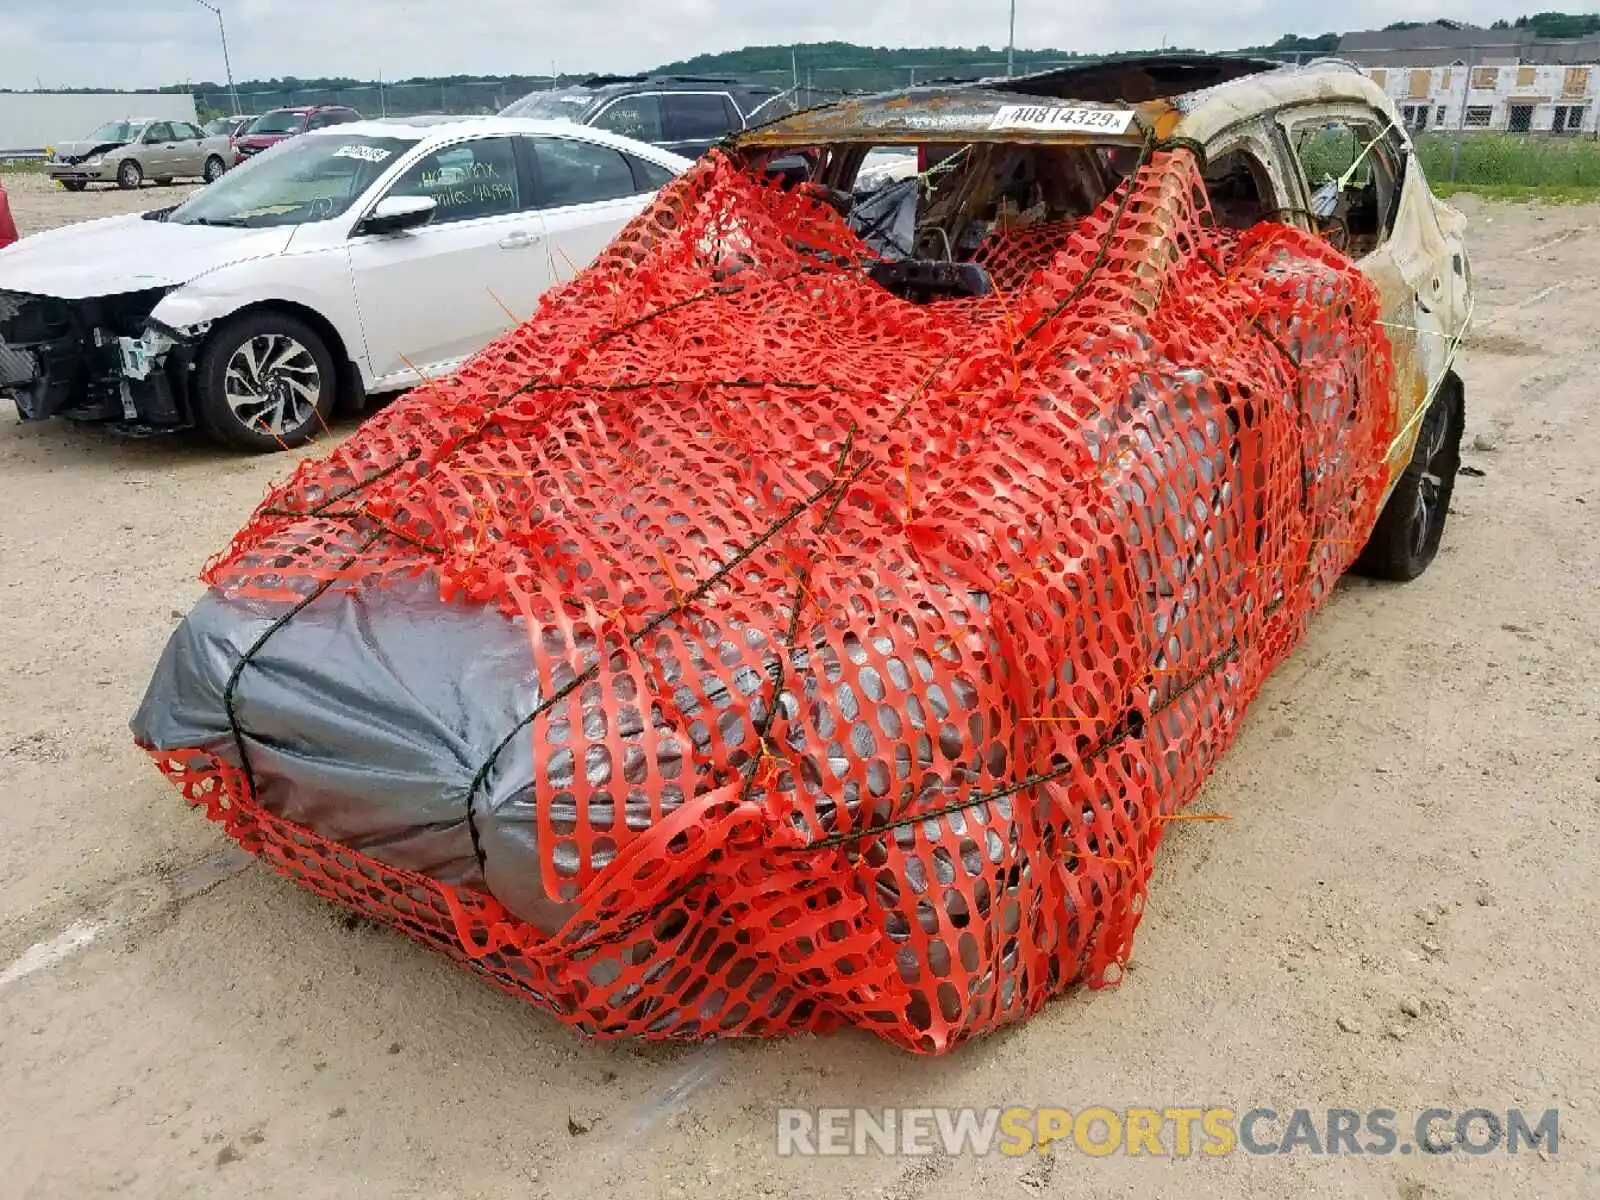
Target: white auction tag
[(1063, 118)]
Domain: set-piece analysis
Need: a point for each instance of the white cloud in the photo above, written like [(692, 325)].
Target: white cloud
[(141, 43)]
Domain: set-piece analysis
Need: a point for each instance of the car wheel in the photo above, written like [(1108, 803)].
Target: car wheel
[(1406, 537), (129, 175), (74, 185), (215, 169), (266, 382)]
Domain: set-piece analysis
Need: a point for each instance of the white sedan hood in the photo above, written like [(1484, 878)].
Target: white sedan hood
[(128, 254)]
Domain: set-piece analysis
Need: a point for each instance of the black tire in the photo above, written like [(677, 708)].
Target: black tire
[(74, 185), (287, 352), (215, 169), (129, 175), (1406, 537)]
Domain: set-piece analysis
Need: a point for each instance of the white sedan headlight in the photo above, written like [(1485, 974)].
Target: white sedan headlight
[(93, 162)]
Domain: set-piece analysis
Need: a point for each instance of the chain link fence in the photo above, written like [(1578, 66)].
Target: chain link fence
[(377, 99), (810, 85)]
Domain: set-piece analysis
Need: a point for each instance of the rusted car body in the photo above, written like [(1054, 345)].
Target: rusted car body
[(1235, 110)]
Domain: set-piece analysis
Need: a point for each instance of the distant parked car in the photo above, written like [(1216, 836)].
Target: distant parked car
[(343, 264), (687, 114), (228, 127), (130, 151), (270, 128), (8, 227)]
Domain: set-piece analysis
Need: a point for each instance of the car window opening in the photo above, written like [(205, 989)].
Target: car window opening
[(1353, 177), (1239, 190), (961, 221), (949, 222)]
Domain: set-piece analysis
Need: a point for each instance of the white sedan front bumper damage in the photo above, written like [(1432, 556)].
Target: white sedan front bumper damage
[(99, 359)]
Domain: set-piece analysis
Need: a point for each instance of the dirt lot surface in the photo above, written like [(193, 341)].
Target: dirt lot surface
[(1415, 808), (38, 204)]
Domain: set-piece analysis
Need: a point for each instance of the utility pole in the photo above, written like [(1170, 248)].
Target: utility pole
[(1461, 117), (226, 63), (1011, 42)]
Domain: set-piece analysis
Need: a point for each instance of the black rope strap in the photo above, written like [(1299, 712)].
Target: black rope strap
[(1131, 724)]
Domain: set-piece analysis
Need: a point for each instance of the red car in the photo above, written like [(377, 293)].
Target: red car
[(273, 127), (8, 227)]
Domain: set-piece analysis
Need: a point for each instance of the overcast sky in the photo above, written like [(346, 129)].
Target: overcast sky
[(140, 43)]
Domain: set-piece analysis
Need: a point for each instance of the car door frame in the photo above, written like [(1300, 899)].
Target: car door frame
[(695, 147), (527, 146), (1260, 135), (526, 208), (157, 159), (673, 146), (1418, 267), (608, 104), (189, 156)]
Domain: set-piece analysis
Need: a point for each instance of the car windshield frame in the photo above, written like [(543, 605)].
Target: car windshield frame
[(318, 177), (562, 105), (277, 116), (123, 132)]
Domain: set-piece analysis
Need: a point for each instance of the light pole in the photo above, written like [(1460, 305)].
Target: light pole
[(227, 65), (1011, 42)]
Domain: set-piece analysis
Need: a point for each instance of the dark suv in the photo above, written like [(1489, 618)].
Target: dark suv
[(271, 128), (687, 114)]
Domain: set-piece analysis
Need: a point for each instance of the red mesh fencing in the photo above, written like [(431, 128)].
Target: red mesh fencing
[(909, 626)]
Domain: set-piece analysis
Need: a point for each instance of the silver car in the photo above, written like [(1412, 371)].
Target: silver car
[(128, 152), (228, 127)]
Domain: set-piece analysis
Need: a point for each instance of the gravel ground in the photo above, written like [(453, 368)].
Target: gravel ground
[(1402, 912), (38, 204)]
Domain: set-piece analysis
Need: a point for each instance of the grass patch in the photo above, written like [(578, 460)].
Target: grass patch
[(1511, 165), (21, 166), (1498, 166), (1514, 193)]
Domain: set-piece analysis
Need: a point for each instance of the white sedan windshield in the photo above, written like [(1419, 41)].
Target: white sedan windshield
[(306, 179)]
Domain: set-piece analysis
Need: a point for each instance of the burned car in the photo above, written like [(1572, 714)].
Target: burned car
[(815, 614)]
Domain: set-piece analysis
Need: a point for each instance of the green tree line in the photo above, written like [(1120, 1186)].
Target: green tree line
[(888, 63)]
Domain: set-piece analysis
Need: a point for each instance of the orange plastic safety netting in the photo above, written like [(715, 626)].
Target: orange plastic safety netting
[(896, 632)]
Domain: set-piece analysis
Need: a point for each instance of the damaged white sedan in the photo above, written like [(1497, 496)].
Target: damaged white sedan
[(341, 264)]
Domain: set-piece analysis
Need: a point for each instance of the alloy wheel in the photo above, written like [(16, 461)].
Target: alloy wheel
[(272, 384), (1425, 461)]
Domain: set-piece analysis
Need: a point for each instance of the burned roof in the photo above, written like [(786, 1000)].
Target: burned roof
[(954, 113), (1139, 80), (1116, 101)]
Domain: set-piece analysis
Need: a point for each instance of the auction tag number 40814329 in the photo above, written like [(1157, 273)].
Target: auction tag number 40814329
[(1063, 118)]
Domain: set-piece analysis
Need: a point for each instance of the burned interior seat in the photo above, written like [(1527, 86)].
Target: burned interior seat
[(1238, 190)]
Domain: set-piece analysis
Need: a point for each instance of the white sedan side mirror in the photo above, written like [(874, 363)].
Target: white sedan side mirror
[(393, 214)]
